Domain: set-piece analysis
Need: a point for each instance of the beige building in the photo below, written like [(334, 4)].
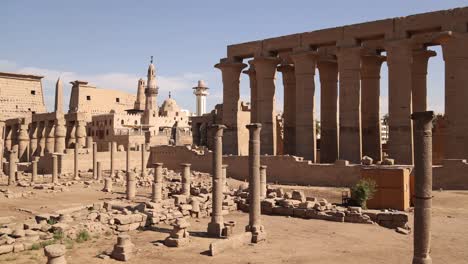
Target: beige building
[(20, 95)]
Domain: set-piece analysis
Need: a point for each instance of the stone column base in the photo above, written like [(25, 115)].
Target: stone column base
[(215, 229), (258, 233), (426, 260)]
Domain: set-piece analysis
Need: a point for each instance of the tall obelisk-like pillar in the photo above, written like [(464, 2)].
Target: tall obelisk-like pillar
[(423, 186), (255, 225), (216, 226)]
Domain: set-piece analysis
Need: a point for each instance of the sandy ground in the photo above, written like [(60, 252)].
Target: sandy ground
[(290, 240)]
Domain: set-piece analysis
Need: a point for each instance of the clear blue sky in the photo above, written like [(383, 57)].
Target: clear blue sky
[(109, 42)]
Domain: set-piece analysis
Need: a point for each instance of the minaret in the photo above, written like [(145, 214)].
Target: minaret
[(140, 100), (151, 92), (201, 92), (58, 96)]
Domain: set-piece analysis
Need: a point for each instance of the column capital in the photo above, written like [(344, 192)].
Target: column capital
[(185, 164), (423, 116), (218, 129), (285, 68), (250, 71), (454, 46), (158, 164), (227, 64), (371, 64), (254, 126), (349, 58), (304, 61), (262, 63)]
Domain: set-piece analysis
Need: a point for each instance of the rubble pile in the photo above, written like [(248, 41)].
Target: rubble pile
[(296, 204)]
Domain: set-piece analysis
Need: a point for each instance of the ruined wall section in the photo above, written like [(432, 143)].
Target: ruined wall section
[(94, 101), (20, 95)]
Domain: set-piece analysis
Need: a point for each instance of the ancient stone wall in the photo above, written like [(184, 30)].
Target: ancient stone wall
[(92, 100), (20, 95)]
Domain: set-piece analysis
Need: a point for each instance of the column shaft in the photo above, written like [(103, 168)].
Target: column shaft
[(306, 140), (95, 169), (216, 226), (456, 96), (263, 181), (157, 183), (419, 79), (143, 160), (186, 179), (265, 68), (289, 108), (423, 186), (235, 142), (370, 110), (349, 66), (253, 92), (54, 169), (75, 163), (255, 225), (400, 144), (328, 71)]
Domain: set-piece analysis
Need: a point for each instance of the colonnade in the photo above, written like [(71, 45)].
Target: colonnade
[(349, 98)]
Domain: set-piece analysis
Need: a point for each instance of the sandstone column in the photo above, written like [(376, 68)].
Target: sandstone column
[(55, 254), (224, 179), (75, 164), (186, 178), (306, 140), (265, 68), (255, 225), (112, 150), (289, 108), (127, 160), (370, 108), (72, 136), (157, 183), (234, 142), (60, 133), (34, 169), (423, 186), (143, 161), (12, 167), (80, 134), (54, 168), (253, 91), (23, 143), (99, 171), (33, 140), (349, 66), (419, 78), (456, 98), (263, 181), (50, 138), (328, 71), (95, 161), (42, 138), (400, 144), (89, 142), (216, 226), (131, 185)]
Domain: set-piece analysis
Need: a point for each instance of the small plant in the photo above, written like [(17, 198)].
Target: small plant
[(363, 191), (47, 243), (58, 235), (35, 246), (51, 221), (69, 243), (83, 236)]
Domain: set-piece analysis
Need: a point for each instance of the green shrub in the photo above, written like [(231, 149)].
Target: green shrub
[(363, 191), (51, 221), (83, 236), (35, 246), (58, 235)]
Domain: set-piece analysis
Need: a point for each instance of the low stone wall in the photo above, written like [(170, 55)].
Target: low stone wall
[(453, 174), (281, 169)]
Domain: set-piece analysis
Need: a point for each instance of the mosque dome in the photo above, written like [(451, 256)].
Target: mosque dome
[(169, 106)]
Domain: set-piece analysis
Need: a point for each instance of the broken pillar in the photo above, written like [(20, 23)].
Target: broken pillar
[(156, 195), (185, 179), (55, 254), (263, 181), (54, 169), (98, 171)]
